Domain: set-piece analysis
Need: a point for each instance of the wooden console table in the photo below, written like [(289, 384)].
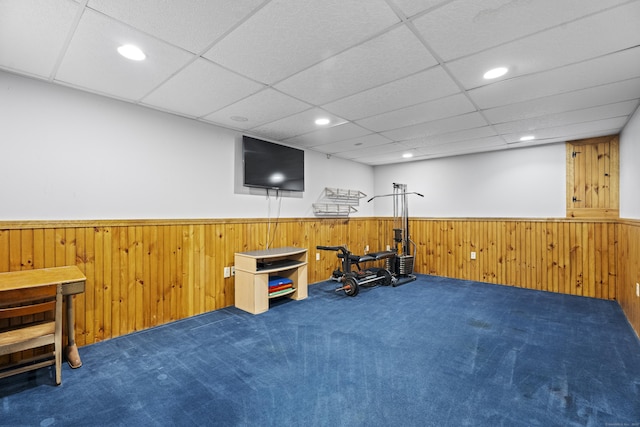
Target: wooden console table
[(72, 281), (254, 268)]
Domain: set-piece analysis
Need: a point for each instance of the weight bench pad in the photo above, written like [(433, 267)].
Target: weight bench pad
[(382, 254), (373, 256)]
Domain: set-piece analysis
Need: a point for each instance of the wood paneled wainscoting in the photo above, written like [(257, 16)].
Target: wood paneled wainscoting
[(144, 273), (576, 257), (629, 271)]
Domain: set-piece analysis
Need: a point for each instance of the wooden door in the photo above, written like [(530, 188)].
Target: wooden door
[(593, 178)]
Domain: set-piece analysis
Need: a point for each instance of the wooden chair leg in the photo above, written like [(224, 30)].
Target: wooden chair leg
[(58, 335)]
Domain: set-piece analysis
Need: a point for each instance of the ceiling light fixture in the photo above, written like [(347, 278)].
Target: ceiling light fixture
[(407, 155), (527, 138), (132, 52), (322, 121), (495, 73)]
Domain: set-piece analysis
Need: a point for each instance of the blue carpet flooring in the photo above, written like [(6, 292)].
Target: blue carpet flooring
[(433, 352)]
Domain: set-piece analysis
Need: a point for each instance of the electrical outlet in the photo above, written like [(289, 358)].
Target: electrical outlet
[(233, 270), (388, 248), (366, 249), (227, 272), (317, 256), (473, 255), (638, 289)]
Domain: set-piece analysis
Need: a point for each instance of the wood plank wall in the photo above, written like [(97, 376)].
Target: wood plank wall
[(629, 271), (146, 273), (565, 256)]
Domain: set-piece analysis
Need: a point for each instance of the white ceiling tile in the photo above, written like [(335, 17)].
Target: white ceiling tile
[(556, 47), (287, 36), (282, 63), (34, 52), (393, 55), (571, 117), (200, 88), (92, 61), (377, 150), (608, 69), (467, 26), (412, 7), (594, 96), (328, 135), (572, 130), (382, 159), (423, 86), (476, 150), (297, 124), (205, 20), (455, 105), (360, 143), (265, 106), (534, 143), (463, 135), (463, 146), (452, 124), (564, 138)]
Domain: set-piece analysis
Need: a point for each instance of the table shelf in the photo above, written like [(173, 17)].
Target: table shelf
[(252, 276)]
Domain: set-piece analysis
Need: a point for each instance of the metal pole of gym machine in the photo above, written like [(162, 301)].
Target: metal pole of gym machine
[(401, 216), (401, 224)]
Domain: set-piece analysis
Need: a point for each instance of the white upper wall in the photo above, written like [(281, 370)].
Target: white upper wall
[(70, 155), (73, 155), (522, 183), (630, 168)]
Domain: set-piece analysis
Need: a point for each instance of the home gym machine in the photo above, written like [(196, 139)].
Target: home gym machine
[(398, 261), (401, 265), (352, 276)]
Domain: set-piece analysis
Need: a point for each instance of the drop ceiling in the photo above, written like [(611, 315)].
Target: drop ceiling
[(392, 76)]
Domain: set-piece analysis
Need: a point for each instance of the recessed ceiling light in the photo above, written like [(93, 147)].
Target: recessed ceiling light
[(132, 52), (239, 118), (407, 155), (322, 121), (527, 138), (495, 73)]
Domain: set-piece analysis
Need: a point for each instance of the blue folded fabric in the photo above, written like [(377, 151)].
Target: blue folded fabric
[(278, 281)]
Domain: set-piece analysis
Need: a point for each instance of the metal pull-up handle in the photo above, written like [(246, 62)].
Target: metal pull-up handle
[(395, 194)]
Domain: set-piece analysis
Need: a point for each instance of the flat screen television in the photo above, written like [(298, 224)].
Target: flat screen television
[(272, 166)]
